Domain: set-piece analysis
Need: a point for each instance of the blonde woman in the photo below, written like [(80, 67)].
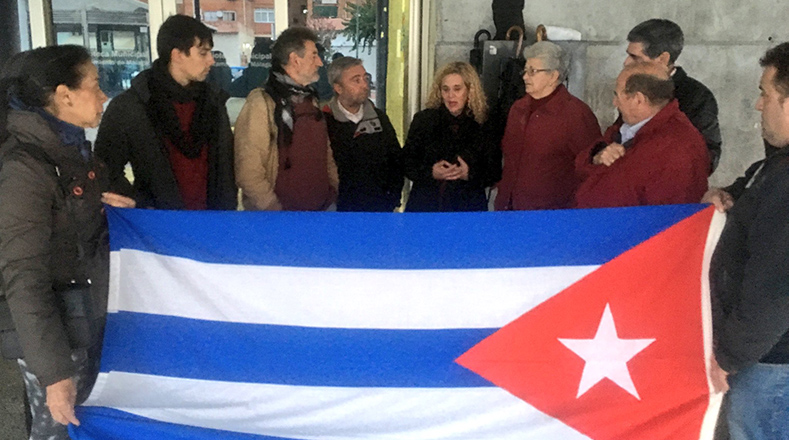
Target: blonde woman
[(449, 154)]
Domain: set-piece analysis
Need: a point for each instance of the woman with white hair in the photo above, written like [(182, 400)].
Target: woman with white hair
[(546, 129)]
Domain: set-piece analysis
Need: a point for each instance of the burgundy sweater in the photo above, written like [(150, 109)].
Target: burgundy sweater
[(191, 175), (303, 176)]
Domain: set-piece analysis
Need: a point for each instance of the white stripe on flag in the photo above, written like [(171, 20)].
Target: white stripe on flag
[(319, 297), (330, 413), (711, 416)]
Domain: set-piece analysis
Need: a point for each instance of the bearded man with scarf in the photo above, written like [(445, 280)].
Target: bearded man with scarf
[(283, 158), (173, 128)]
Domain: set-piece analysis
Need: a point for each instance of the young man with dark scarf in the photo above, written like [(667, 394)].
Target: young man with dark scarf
[(283, 157), (173, 128)]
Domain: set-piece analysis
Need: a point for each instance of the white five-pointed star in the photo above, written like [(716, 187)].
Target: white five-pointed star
[(606, 356)]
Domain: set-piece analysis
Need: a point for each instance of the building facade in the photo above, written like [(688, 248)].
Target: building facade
[(236, 24)]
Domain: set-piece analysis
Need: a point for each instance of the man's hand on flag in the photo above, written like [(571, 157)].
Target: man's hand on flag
[(718, 377), (720, 199)]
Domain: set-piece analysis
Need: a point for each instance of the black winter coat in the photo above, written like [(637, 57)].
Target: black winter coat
[(127, 135), (699, 105), (369, 164), (436, 135), (749, 280), (49, 217)]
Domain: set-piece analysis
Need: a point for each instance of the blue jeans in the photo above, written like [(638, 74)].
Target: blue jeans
[(759, 403)]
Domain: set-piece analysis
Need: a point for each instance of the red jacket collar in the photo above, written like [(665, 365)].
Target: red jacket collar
[(656, 123), (555, 103)]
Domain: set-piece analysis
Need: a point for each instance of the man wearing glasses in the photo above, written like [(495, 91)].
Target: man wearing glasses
[(546, 129)]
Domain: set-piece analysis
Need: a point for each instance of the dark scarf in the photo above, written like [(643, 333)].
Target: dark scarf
[(70, 135), (459, 125), (285, 92), (165, 91)]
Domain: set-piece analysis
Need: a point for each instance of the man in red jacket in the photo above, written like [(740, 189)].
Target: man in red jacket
[(653, 156)]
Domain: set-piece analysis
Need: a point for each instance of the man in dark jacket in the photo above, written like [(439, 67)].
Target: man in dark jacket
[(654, 156), (173, 128), (660, 41), (368, 155), (748, 277)]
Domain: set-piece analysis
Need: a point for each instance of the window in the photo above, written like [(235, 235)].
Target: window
[(219, 16), (116, 35), (263, 15), (24, 26), (325, 11)]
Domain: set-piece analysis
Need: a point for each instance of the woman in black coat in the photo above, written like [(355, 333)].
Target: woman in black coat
[(53, 235), (450, 156)]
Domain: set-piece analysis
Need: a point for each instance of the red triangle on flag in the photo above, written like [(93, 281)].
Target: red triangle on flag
[(653, 292)]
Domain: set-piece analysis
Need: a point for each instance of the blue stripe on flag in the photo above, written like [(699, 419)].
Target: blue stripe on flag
[(387, 241), (274, 354), (99, 423)]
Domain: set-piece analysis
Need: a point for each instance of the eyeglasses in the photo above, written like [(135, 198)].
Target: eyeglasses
[(529, 71)]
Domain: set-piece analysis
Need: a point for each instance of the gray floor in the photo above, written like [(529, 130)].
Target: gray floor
[(12, 419)]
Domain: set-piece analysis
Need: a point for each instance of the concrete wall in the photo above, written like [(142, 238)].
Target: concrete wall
[(723, 42)]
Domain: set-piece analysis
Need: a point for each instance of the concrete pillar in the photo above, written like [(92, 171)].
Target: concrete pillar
[(9, 30), (382, 51), (280, 17), (85, 33)]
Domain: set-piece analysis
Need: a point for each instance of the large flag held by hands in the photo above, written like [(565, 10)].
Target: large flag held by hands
[(589, 324)]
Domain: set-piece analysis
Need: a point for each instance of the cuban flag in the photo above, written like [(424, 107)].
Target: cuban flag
[(577, 324)]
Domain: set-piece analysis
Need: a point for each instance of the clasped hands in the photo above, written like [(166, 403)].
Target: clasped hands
[(444, 170)]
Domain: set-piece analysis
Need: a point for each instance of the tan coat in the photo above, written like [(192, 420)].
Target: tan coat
[(257, 157)]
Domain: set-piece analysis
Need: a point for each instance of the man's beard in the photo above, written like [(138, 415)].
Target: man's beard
[(361, 99)]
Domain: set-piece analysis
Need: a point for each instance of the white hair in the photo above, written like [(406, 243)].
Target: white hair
[(552, 55)]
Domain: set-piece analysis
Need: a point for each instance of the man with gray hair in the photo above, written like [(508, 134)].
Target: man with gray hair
[(283, 159), (368, 155), (661, 41), (652, 156)]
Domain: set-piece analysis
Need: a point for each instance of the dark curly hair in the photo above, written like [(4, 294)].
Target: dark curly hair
[(180, 32), (659, 35)]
